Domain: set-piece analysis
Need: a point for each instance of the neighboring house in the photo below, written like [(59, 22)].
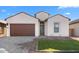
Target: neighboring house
[(74, 28), (2, 28), (42, 24)]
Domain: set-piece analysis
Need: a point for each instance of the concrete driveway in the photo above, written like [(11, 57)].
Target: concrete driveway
[(75, 38), (10, 44)]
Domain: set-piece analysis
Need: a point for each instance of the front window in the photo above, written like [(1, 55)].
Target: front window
[(56, 27)]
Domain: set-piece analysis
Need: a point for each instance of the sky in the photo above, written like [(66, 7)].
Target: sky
[(68, 11)]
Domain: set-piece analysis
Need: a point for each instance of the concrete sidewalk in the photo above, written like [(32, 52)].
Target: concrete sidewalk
[(75, 38)]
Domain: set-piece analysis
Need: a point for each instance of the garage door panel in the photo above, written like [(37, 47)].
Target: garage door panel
[(22, 29)]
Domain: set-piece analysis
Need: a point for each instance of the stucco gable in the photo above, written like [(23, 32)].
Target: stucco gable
[(17, 15), (42, 16), (42, 12), (59, 16)]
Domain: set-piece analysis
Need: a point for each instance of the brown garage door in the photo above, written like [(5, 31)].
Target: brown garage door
[(22, 29)]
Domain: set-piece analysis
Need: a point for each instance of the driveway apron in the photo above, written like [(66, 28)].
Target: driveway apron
[(10, 44)]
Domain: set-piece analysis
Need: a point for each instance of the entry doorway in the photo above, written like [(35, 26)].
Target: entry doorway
[(71, 32), (41, 28)]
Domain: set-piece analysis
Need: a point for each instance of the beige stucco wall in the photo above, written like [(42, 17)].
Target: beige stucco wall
[(63, 26), (5, 32), (23, 19), (42, 16), (75, 27), (46, 28)]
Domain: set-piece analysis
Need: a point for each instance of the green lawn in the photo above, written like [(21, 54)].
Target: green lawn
[(58, 44)]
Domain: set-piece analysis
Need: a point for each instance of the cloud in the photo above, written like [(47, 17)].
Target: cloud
[(3, 10), (8, 13), (63, 7), (67, 13)]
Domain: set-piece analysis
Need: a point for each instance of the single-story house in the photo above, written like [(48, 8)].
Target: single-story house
[(2, 28), (74, 28), (42, 24)]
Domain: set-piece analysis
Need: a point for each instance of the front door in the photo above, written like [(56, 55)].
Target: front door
[(42, 28), (71, 32)]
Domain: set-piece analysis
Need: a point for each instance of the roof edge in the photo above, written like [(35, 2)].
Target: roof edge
[(74, 21), (60, 15), (3, 21), (20, 13)]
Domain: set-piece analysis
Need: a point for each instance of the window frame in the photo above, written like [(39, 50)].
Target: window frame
[(56, 27)]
